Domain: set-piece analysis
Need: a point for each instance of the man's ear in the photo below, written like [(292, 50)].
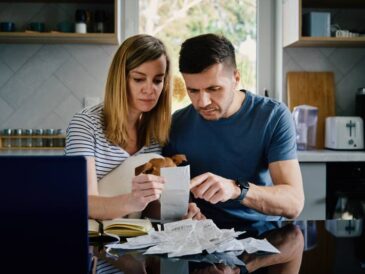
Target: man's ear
[(237, 77), (145, 168)]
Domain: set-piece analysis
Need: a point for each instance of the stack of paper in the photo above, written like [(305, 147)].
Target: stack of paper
[(189, 237)]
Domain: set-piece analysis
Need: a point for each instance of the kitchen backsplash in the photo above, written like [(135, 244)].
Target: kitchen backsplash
[(348, 65), (43, 85)]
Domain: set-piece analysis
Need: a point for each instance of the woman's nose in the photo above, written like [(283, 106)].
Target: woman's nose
[(149, 87)]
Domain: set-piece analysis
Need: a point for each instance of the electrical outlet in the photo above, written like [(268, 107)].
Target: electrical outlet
[(91, 101)]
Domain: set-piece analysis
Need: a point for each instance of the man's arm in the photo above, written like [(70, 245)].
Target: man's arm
[(285, 197)]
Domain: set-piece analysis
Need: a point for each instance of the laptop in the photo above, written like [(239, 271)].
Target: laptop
[(43, 212)]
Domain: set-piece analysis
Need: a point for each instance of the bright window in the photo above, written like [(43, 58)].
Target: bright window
[(175, 21)]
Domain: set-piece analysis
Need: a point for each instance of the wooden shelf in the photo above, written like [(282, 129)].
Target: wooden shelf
[(328, 42), (31, 148), (350, 4), (58, 37), (61, 37), (292, 25)]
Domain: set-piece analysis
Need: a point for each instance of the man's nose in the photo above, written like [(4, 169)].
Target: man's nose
[(204, 99)]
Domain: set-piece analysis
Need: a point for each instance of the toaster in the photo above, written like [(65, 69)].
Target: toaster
[(344, 133)]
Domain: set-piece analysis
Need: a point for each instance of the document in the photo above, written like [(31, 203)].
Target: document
[(189, 237), (175, 196)]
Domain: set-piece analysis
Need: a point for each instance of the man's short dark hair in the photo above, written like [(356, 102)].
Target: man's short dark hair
[(200, 52)]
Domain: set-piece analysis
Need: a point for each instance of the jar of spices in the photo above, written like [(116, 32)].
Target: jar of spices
[(59, 141), (38, 138), (49, 138), (27, 141), (6, 138), (17, 141)]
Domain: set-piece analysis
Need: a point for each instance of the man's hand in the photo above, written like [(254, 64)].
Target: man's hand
[(194, 213), (214, 188)]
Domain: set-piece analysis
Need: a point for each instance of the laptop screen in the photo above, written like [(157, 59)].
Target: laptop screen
[(43, 209)]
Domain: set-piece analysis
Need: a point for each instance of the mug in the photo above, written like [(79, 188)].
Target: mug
[(65, 27), (37, 26), (7, 26)]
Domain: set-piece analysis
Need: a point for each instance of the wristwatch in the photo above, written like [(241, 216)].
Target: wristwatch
[(244, 187)]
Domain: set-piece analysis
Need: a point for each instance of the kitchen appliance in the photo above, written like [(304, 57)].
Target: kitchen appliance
[(315, 89), (344, 133), (360, 103), (305, 120)]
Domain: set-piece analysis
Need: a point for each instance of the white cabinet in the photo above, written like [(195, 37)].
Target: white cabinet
[(314, 183)]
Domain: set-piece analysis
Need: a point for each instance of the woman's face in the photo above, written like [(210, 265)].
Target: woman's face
[(145, 84)]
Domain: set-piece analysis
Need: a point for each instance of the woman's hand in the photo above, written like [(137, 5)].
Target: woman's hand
[(194, 213), (145, 189)]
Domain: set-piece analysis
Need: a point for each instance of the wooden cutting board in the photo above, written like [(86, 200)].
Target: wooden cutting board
[(315, 89)]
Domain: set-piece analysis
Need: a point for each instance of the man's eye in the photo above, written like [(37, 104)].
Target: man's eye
[(193, 90), (214, 88)]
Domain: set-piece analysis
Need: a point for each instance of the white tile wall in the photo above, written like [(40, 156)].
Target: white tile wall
[(43, 85)]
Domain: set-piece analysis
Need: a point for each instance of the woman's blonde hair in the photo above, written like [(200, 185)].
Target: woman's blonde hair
[(153, 125)]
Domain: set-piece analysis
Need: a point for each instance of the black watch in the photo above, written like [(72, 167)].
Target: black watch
[(244, 187)]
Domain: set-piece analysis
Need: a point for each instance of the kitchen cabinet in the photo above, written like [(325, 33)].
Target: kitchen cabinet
[(315, 172), (293, 22), (314, 183), (54, 12)]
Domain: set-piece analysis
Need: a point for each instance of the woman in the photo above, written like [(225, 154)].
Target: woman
[(134, 118)]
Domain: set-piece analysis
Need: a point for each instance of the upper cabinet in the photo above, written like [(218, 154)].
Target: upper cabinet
[(54, 21), (323, 23)]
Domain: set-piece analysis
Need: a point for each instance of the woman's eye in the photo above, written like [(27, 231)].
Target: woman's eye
[(138, 80), (158, 81)]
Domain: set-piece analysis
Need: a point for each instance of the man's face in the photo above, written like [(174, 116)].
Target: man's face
[(212, 91)]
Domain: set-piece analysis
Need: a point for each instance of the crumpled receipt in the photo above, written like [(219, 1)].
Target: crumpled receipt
[(188, 237)]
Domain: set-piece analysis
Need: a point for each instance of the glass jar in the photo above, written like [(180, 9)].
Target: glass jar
[(17, 141), (48, 141), (59, 141), (38, 138), (6, 138), (27, 142)]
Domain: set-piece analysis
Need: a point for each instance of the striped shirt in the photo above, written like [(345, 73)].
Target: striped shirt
[(85, 136)]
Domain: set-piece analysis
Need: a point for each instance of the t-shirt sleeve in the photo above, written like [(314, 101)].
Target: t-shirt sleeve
[(80, 136), (282, 144)]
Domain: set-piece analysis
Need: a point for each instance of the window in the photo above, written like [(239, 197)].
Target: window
[(175, 21)]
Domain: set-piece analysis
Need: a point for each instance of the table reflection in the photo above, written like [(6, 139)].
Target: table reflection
[(287, 237)]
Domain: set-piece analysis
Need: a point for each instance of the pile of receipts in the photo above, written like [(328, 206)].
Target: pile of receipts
[(188, 237)]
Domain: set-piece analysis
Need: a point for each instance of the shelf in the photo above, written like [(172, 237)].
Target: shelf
[(328, 42), (58, 37), (68, 8), (31, 148), (350, 4), (292, 25)]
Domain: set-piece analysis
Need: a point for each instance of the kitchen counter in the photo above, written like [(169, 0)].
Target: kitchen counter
[(32, 152), (325, 155)]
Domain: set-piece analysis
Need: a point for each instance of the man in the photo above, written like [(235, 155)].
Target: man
[(241, 147)]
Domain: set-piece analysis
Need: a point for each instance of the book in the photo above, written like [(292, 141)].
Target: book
[(121, 227)]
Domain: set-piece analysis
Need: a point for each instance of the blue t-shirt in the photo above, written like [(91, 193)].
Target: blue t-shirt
[(240, 146)]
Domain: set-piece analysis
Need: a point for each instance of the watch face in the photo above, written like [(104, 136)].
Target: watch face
[(243, 183)]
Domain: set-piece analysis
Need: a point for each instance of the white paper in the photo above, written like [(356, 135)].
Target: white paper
[(189, 237), (252, 245), (175, 196)]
